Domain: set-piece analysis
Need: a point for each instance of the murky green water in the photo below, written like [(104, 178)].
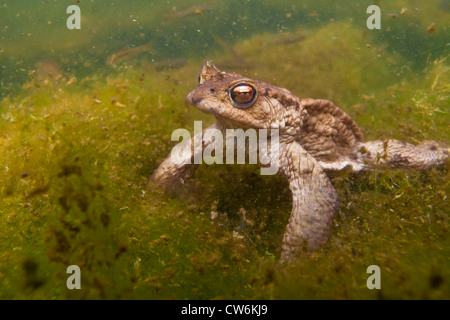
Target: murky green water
[(178, 32), (86, 116)]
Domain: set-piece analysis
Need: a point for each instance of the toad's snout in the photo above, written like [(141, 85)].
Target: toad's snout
[(192, 98)]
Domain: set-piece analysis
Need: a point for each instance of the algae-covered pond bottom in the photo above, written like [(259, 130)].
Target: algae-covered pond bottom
[(76, 153)]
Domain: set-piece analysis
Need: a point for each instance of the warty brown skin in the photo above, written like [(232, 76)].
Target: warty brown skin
[(314, 135)]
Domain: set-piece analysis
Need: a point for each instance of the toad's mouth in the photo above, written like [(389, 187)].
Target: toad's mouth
[(213, 111), (236, 117), (191, 98)]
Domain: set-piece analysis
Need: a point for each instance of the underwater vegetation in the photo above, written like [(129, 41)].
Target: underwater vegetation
[(77, 148)]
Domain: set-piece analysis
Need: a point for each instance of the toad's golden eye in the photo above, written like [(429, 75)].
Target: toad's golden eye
[(243, 95)]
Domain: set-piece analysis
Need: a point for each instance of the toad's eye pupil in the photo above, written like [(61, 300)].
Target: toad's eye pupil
[(243, 95)]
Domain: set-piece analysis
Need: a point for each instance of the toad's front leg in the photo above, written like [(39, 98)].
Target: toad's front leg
[(180, 163), (314, 202)]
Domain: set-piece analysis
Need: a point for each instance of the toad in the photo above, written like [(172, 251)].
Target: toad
[(314, 136)]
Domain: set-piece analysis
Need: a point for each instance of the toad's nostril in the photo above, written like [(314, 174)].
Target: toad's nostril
[(212, 91)]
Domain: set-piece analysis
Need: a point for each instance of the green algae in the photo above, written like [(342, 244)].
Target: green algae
[(75, 159)]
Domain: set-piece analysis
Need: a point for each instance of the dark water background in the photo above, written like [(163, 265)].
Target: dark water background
[(33, 31)]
